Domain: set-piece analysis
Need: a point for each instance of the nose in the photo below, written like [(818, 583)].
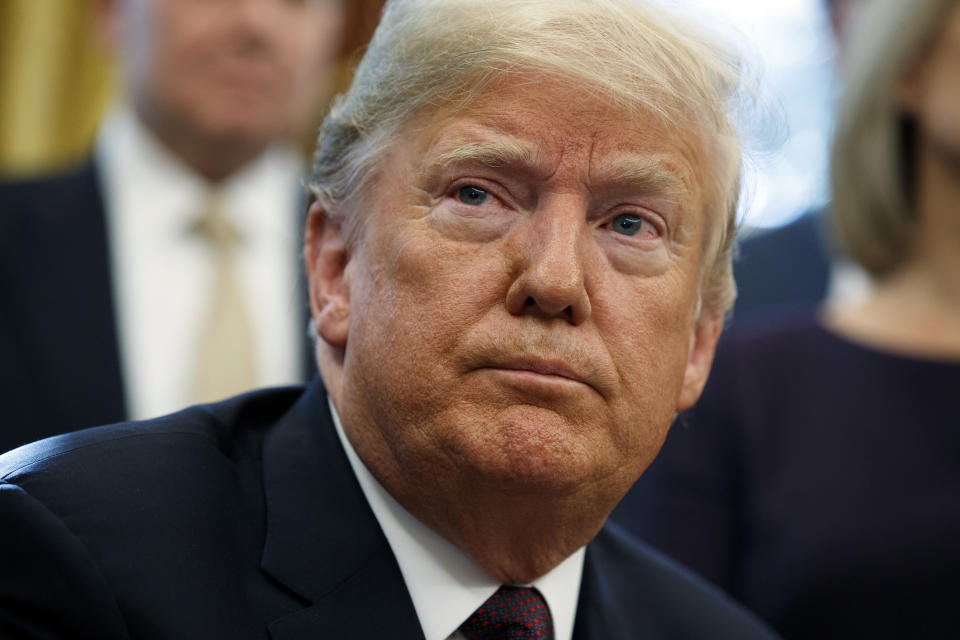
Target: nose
[(550, 281)]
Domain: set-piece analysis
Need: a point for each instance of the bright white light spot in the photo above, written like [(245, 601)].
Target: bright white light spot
[(792, 40)]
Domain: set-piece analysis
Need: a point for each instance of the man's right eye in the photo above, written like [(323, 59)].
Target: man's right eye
[(472, 195), (627, 224)]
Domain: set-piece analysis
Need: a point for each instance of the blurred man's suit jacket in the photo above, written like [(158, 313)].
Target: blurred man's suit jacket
[(60, 366), (228, 520), (785, 267)]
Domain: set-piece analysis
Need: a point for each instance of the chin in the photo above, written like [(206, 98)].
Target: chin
[(239, 121), (527, 447)]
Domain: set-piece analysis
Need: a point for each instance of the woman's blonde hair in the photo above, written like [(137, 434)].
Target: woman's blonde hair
[(872, 159), (431, 54)]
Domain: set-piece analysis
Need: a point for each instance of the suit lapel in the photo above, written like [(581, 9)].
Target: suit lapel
[(323, 541), (596, 614)]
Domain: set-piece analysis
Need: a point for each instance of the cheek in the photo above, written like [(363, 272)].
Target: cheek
[(181, 61), (188, 33), (317, 36), (415, 304), (427, 291), (646, 316), (444, 272), (295, 55), (647, 332)]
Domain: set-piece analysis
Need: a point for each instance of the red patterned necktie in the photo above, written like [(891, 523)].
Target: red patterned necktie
[(512, 613)]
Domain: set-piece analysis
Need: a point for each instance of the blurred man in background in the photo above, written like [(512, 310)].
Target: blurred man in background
[(159, 271)]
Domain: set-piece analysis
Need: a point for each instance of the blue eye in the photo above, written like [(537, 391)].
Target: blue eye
[(627, 224), (472, 195)]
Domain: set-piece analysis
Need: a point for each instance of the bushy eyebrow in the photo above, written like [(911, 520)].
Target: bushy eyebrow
[(638, 173), (504, 153), (646, 174)]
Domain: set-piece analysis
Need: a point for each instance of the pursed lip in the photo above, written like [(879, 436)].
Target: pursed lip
[(546, 367)]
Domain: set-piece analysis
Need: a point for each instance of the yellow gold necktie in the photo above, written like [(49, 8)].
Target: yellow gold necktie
[(225, 360)]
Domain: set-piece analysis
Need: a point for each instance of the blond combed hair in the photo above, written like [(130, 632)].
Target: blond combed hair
[(633, 54), (872, 212)]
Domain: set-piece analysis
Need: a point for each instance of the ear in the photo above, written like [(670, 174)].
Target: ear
[(326, 256), (703, 343)]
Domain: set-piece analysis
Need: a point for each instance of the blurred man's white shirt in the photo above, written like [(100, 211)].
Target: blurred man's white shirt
[(163, 273)]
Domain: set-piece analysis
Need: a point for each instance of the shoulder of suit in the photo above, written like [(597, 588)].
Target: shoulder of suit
[(49, 183), (32, 205), (232, 429), (684, 604)]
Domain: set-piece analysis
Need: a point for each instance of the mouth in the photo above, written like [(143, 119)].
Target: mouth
[(541, 367), (539, 373), (245, 75)]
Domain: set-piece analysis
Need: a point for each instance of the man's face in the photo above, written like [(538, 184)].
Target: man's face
[(221, 69), (521, 306)]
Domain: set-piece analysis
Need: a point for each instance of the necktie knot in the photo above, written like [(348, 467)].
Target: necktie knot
[(512, 613), (216, 227)]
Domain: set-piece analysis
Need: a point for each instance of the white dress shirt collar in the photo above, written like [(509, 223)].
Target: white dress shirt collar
[(444, 584)]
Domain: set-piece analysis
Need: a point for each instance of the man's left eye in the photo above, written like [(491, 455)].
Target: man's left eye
[(472, 195), (627, 224)]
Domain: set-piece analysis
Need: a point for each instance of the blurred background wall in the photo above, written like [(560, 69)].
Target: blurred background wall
[(56, 80)]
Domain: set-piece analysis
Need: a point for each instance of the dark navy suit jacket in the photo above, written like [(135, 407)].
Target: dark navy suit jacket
[(59, 361), (243, 519), (59, 353), (783, 268)]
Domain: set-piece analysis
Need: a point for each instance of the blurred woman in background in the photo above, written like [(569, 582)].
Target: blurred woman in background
[(818, 479)]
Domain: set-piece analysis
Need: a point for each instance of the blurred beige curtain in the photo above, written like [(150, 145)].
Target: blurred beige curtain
[(55, 81)]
